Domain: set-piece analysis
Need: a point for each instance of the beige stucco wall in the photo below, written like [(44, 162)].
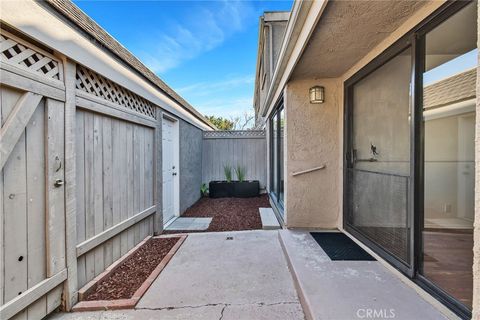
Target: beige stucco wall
[(312, 140)]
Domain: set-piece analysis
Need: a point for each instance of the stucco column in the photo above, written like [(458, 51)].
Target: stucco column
[(476, 224), (312, 199)]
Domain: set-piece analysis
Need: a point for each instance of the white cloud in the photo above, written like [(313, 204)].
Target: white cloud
[(203, 30)]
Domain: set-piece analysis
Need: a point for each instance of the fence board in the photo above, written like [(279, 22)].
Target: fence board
[(98, 188), (130, 209), (136, 178), (15, 219), (80, 202), (55, 200), (141, 182), (36, 257), (107, 187), (123, 187), (89, 194), (116, 185)]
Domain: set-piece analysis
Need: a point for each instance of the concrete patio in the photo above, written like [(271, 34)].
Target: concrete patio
[(270, 275)]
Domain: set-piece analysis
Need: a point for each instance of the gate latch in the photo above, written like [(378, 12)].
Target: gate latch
[(58, 183)]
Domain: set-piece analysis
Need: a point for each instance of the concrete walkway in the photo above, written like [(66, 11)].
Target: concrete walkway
[(212, 277), (246, 275)]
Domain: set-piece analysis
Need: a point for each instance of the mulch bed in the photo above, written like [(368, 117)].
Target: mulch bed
[(229, 214), (131, 274)]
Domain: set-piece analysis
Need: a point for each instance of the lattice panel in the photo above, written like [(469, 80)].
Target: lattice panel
[(246, 134), (93, 83), (21, 54)]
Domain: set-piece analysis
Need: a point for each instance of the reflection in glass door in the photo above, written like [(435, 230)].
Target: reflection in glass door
[(449, 154), (277, 124), (281, 127)]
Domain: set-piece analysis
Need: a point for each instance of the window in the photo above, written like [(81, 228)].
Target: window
[(449, 80), (277, 121)]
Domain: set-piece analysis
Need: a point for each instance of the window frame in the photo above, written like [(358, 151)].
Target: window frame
[(273, 120)]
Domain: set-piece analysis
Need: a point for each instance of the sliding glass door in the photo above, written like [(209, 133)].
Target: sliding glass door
[(410, 154), (277, 122), (378, 170), (449, 78)]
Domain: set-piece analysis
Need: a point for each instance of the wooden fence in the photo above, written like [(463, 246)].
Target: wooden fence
[(78, 183), (235, 148)]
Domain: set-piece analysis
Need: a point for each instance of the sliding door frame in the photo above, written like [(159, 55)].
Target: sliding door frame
[(404, 43), (415, 39), (444, 13), (274, 120)]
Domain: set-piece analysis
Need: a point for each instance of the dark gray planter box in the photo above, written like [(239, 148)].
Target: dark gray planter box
[(220, 189), (246, 189), (224, 189)]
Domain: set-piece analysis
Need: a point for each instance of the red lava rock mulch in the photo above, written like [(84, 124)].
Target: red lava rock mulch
[(131, 274), (229, 214)]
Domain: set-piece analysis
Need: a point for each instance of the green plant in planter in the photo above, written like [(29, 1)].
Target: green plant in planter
[(227, 170), (240, 171), (204, 189)]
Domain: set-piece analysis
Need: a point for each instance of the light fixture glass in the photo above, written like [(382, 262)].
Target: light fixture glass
[(317, 94)]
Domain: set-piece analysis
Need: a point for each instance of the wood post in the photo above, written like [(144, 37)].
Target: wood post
[(70, 285), (158, 218)]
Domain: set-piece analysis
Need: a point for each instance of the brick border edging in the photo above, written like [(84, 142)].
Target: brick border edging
[(91, 285), (125, 303)]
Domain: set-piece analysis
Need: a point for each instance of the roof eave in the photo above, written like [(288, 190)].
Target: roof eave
[(303, 19)]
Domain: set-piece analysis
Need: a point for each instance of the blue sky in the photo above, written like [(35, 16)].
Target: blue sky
[(452, 67), (205, 50)]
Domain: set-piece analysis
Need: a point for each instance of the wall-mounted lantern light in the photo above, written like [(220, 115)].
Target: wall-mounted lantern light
[(317, 94)]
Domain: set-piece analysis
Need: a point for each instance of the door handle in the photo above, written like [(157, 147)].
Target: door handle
[(57, 159), (58, 183)]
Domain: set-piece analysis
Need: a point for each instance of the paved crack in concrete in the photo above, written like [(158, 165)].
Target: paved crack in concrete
[(182, 307), (260, 304), (221, 312)]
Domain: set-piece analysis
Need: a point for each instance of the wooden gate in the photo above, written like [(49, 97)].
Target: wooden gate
[(32, 191)]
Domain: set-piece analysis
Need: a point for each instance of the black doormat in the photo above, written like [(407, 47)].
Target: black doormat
[(340, 247)]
